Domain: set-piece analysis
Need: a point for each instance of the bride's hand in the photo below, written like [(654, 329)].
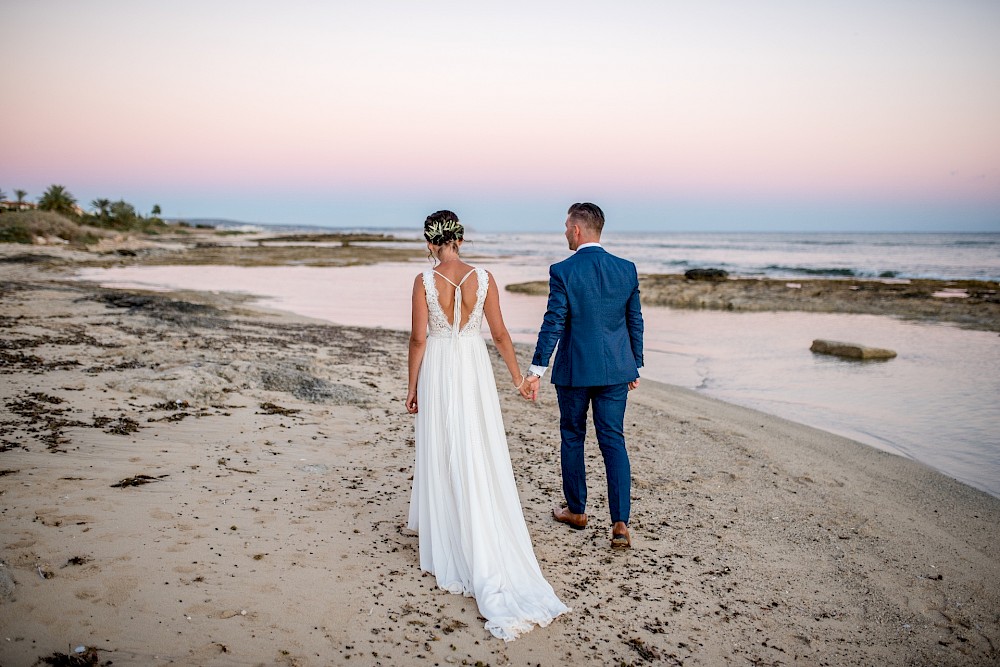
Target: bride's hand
[(411, 402), (524, 389), (530, 389)]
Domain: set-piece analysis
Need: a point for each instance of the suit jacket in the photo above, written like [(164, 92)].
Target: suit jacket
[(594, 315)]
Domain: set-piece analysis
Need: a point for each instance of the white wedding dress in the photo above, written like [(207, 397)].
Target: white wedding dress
[(464, 503)]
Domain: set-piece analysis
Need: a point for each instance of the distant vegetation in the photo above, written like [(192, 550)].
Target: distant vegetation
[(57, 215), (27, 226), (122, 216)]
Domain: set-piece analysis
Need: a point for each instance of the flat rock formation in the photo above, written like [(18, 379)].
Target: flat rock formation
[(850, 350), (973, 304), (706, 274)]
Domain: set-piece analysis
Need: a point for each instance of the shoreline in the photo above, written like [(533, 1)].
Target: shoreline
[(277, 455), (971, 304), (680, 356)]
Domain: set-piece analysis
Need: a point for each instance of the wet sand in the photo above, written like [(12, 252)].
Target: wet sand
[(189, 481)]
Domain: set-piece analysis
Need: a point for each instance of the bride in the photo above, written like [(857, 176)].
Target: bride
[(464, 503)]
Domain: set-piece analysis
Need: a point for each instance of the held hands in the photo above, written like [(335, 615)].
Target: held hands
[(530, 389), (523, 388)]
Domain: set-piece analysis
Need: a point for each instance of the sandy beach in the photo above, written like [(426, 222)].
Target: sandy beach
[(190, 481)]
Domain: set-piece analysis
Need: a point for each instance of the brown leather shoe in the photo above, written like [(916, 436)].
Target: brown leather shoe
[(574, 521), (620, 539)]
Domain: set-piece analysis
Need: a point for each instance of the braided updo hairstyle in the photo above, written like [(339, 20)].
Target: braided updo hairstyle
[(443, 228)]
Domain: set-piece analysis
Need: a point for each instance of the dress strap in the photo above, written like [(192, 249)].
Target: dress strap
[(445, 277), (459, 282), (462, 281)]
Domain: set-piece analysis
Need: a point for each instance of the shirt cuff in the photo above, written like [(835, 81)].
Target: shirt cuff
[(538, 370)]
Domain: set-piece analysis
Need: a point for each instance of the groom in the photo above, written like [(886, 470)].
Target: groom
[(594, 315)]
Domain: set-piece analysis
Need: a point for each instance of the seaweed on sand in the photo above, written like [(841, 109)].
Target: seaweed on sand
[(273, 409), (137, 480), (86, 658)]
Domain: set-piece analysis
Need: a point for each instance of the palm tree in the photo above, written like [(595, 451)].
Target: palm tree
[(3, 195), (102, 207), (122, 210), (122, 214), (58, 199), (20, 194)]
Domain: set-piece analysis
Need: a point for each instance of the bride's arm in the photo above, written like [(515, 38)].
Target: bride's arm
[(501, 338), (418, 342)]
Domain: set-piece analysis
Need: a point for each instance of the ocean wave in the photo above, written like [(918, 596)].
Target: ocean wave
[(688, 246), (974, 243), (813, 271)]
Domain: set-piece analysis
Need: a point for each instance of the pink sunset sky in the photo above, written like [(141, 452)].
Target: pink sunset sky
[(826, 116)]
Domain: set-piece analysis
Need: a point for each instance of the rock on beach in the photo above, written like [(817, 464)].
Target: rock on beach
[(850, 350), (712, 275)]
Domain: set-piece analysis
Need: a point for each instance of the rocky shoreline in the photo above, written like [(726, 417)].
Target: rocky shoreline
[(969, 303)]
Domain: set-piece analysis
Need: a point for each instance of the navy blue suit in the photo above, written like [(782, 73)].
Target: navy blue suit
[(594, 316)]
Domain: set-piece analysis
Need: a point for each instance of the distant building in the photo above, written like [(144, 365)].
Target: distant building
[(17, 205)]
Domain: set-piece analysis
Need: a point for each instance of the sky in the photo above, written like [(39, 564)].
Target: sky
[(763, 115)]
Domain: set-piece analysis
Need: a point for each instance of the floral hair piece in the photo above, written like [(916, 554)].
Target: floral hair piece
[(440, 232)]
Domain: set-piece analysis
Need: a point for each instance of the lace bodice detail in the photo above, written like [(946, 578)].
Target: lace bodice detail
[(437, 321)]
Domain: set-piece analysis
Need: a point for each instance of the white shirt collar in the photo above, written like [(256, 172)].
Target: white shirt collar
[(589, 245)]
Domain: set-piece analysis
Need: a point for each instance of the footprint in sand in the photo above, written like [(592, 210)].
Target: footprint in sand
[(51, 517)]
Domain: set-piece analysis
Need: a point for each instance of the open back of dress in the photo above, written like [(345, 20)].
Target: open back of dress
[(458, 299), (464, 503)]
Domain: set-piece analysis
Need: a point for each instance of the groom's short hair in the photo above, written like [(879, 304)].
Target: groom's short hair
[(589, 215)]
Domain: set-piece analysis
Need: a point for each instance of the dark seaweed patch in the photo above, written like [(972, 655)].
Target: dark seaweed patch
[(273, 409), (137, 480)]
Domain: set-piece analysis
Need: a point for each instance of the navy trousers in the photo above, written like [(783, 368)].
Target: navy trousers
[(609, 422)]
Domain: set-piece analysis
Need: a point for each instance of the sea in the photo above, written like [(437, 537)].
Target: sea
[(935, 403)]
